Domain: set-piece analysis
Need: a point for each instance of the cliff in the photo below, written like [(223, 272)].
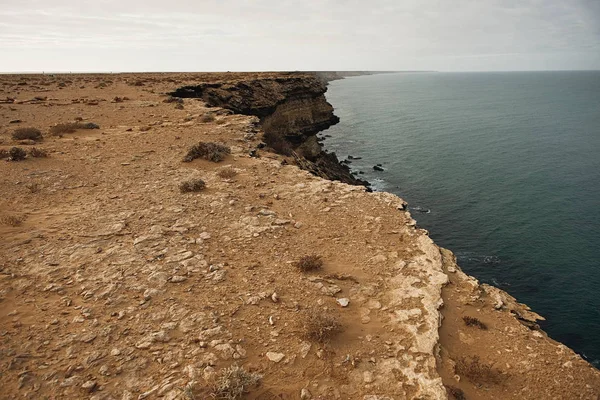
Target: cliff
[(292, 109), (117, 284)]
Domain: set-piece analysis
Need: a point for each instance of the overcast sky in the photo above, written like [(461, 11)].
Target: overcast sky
[(236, 35)]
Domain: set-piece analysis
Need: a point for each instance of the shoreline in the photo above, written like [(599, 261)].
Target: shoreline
[(121, 286)]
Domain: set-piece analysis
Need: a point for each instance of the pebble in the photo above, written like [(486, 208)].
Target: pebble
[(205, 236), (275, 357), (89, 386), (343, 302), (305, 394), (178, 278)]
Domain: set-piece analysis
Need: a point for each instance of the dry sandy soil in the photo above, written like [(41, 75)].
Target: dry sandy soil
[(116, 285)]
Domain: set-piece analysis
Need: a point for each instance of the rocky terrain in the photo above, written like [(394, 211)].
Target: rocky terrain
[(118, 282)]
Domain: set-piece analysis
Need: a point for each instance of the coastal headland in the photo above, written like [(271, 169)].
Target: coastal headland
[(184, 236)]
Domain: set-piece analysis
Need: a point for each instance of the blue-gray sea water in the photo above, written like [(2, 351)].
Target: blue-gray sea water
[(501, 168)]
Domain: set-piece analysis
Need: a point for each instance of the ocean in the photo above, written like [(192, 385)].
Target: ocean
[(501, 168)]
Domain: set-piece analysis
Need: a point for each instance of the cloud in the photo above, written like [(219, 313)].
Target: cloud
[(289, 34)]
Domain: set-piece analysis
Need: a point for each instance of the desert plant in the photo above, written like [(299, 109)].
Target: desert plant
[(179, 106), (38, 153), (233, 382), (33, 187), (207, 117), (27, 133), (309, 263), (477, 371), (472, 321), (71, 127), (192, 185), (12, 220), (172, 99), (321, 327), (227, 173), (17, 154), (209, 151)]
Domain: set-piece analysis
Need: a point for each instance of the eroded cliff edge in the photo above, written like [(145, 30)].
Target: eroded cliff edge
[(292, 109), (116, 285)]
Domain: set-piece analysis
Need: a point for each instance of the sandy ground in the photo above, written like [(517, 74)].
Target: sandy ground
[(115, 285)]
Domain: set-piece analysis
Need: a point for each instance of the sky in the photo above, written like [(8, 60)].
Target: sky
[(237, 35)]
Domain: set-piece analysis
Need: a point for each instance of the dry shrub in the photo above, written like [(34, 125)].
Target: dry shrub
[(478, 372), (38, 153), (309, 263), (227, 173), (27, 133), (209, 151), (207, 117), (71, 127), (12, 220), (472, 321), (278, 143), (233, 383), (321, 327), (172, 99), (17, 154), (456, 393), (193, 185), (33, 187), (179, 106)]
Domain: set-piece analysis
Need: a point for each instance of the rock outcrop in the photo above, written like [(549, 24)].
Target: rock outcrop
[(292, 109)]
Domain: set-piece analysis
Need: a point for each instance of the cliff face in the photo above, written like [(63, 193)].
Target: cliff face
[(292, 109)]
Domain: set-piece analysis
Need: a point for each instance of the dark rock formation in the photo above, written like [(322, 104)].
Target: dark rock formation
[(292, 109)]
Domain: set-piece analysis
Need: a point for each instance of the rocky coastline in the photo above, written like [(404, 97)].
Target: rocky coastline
[(132, 271)]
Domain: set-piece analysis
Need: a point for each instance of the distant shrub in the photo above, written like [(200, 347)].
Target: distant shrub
[(233, 383), (27, 134), (17, 154), (172, 99), (12, 220), (38, 153), (207, 117), (71, 127), (227, 173), (179, 106), (309, 263), (209, 151), (472, 321), (478, 372), (193, 185), (321, 327)]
